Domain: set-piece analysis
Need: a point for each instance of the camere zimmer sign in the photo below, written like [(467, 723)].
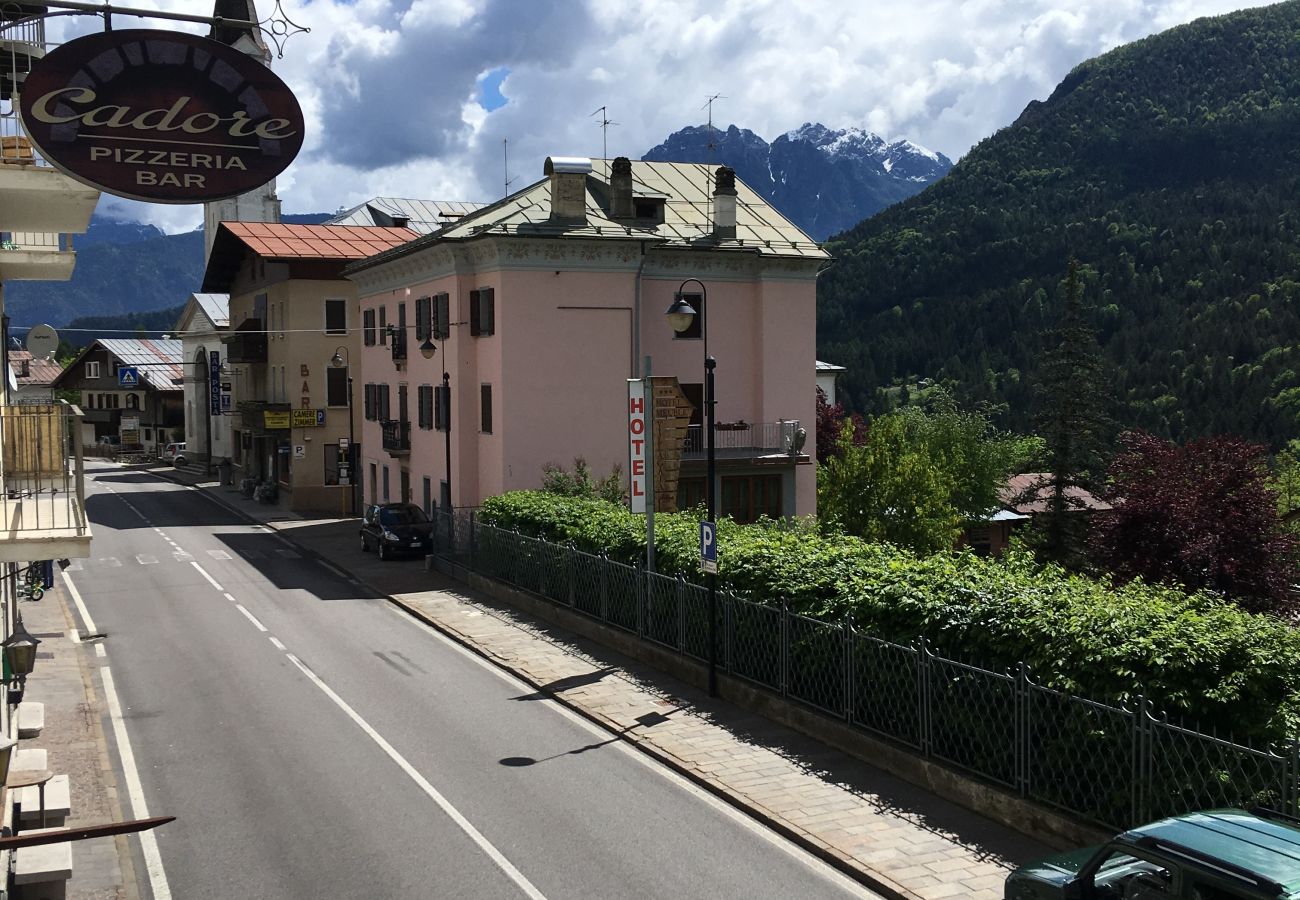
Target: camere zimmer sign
[(161, 116)]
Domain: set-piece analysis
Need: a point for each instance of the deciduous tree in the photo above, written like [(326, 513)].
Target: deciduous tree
[(1202, 516)]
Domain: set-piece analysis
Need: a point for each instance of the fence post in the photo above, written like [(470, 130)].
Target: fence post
[(923, 695), (1022, 730), (680, 593), (1293, 787), (1137, 799), (642, 593), (571, 559), (604, 588), (785, 648), (846, 629)]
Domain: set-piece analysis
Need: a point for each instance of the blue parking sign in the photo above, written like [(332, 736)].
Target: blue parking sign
[(709, 546)]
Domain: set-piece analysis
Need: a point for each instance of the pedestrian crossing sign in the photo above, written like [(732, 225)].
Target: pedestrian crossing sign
[(128, 377)]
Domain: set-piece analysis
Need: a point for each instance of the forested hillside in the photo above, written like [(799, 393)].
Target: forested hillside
[(1169, 168)]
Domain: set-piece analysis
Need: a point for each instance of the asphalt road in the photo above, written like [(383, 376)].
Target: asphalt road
[(314, 742)]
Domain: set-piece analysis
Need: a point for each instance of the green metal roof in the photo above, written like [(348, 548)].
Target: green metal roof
[(1267, 847)]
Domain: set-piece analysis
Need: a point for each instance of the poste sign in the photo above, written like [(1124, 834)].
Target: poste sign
[(161, 116)]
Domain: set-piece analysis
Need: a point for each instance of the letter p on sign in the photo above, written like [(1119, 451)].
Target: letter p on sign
[(708, 547)]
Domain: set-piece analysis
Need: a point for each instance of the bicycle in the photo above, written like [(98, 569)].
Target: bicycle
[(33, 583)]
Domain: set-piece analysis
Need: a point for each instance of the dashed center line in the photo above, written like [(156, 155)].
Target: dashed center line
[(212, 581), (252, 618)]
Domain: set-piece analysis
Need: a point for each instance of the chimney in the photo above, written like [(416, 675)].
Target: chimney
[(25, 368), (568, 176), (620, 189), (724, 204)]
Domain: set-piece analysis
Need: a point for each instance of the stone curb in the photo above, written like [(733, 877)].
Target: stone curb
[(842, 863)]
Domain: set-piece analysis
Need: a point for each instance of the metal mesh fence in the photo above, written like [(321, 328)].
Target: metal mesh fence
[(1112, 766)]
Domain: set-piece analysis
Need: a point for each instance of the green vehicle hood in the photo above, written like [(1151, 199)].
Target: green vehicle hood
[(1048, 876)]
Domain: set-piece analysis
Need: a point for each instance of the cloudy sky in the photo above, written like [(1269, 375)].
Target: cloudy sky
[(415, 98)]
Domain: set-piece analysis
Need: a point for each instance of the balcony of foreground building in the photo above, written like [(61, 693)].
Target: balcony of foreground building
[(34, 196), (42, 484), (771, 442), (35, 255), (247, 343), (397, 437)]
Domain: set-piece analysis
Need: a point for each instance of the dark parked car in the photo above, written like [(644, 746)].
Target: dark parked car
[(396, 528), (1222, 854)]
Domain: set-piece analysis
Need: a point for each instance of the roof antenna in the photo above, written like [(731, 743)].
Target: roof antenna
[(505, 156), (709, 103), (604, 134)]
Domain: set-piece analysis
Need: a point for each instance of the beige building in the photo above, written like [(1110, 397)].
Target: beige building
[(292, 317)]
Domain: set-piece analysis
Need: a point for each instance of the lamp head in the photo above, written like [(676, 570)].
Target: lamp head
[(336, 360), (681, 314), (20, 651), (427, 349)]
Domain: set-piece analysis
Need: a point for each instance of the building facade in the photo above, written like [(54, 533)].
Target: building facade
[(144, 412), (539, 308), (291, 349), (207, 406)]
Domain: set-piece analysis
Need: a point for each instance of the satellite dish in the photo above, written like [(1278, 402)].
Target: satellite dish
[(42, 341)]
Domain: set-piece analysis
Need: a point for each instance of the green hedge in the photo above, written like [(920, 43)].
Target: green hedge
[(1202, 660)]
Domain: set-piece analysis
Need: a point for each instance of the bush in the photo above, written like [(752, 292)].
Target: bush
[(1195, 656)]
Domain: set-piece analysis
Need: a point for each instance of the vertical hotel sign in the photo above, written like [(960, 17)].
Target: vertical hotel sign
[(161, 116), (636, 444)]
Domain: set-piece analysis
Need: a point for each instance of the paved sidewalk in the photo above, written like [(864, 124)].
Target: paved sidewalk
[(893, 836), (102, 869)]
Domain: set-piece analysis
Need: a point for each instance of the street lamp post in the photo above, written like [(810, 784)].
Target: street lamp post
[(680, 316), (342, 358)]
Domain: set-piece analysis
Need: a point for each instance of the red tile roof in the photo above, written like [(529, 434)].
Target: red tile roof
[(275, 240), (41, 372), (1030, 493)]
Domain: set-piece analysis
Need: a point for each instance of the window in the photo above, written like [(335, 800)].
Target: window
[(428, 498), (401, 322), (695, 331), (424, 402), (691, 493), (444, 495), (485, 402), (383, 326), (1134, 876), (442, 317), (368, 402), (336, 317), (368, 327), (115, 400), (401, 404), (336, 386), (694, 392), (423, 327), (92, 369), (132, 401), (385, 484), (482, 312), (442, 407), (746, 497), (384, 415)]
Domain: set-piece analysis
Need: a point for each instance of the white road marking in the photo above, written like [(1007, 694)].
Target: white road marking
[(423, 783), (111, 561), (793, 850), (81, 606), (252, 618), (230, 598), (181, 556), (100, 651), (212, 581), (135, 791), (146, 559), (75, 636), (218, 554), (278, 645)]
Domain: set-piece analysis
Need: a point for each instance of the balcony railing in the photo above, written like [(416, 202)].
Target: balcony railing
[(41, 241), (736, 438), (247, 343), (397, 340), (42, 483), (397, 437)]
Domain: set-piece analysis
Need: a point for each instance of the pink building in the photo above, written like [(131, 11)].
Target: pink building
[(537, 309)]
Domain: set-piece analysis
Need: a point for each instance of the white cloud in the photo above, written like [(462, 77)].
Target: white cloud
[(388, 86)]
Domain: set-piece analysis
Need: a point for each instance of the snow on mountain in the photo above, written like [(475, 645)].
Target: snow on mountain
[(824, 180)]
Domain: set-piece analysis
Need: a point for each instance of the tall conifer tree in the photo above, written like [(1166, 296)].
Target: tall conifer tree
[(1071, 417)]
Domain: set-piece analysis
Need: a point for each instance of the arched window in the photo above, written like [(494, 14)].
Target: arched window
[(132, 401)]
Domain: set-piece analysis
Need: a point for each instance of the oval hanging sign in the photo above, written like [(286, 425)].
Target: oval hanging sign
[(161, 116)]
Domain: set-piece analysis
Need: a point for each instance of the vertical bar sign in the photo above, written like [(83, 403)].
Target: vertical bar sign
[(214, 382), (636, 449)]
